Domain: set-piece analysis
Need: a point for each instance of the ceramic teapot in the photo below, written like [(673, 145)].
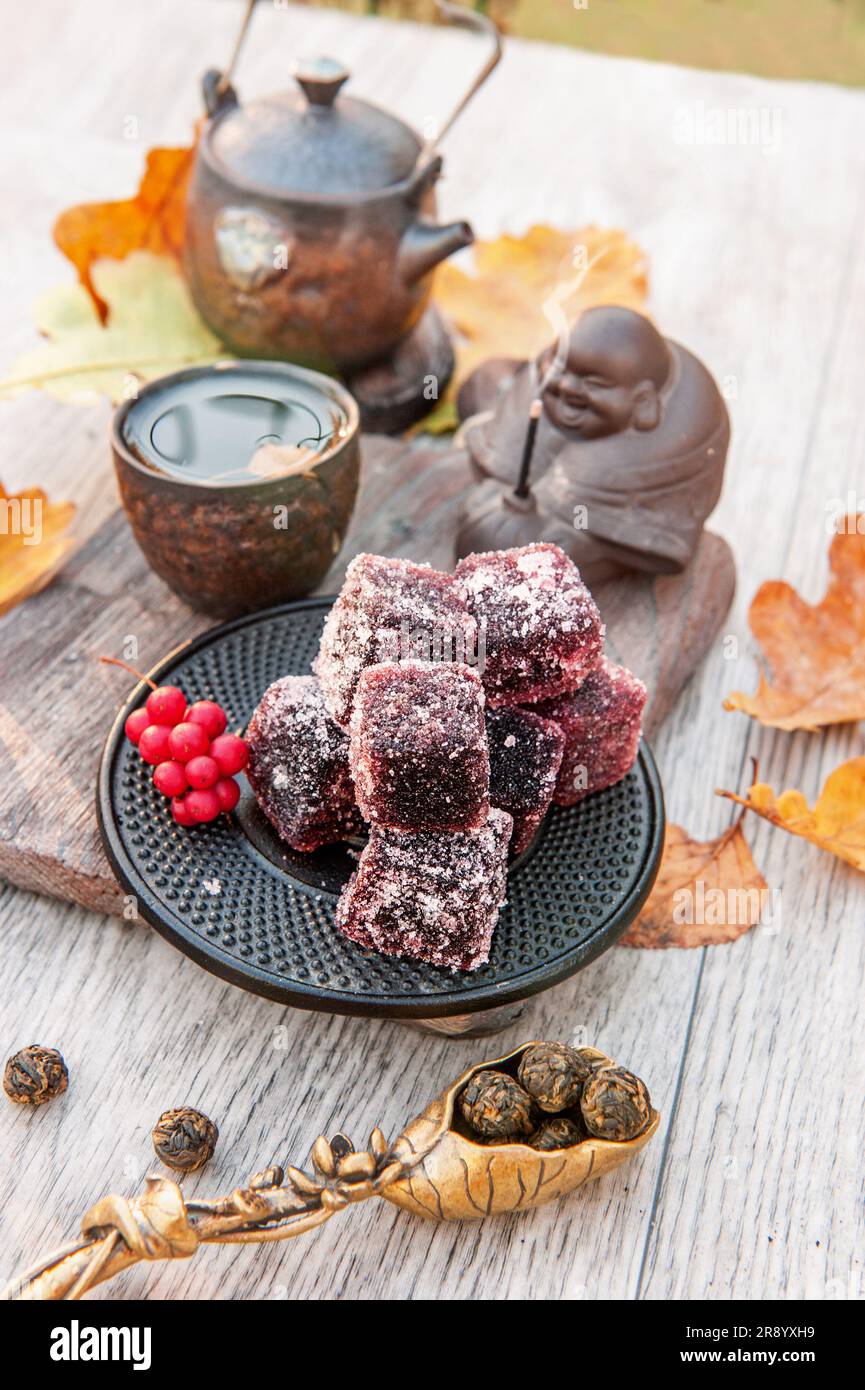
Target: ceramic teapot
[(310, 228)]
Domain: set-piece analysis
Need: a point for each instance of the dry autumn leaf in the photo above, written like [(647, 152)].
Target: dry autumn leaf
[(152, 220), (837, 821), (707, 892), (34, 542), (816, 653), (498, 308), (153, 328)]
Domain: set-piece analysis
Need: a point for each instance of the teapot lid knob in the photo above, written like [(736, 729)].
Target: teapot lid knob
[(320, 79)]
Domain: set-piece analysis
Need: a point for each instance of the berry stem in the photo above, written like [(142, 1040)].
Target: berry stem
[(124, 666)]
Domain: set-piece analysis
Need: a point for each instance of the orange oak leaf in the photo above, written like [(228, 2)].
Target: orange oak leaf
[(707, 892), (152, 220), (816, 652), (34, 542), (835, 823)]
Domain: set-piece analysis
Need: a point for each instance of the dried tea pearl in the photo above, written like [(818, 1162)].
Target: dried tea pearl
[(496, 1107), (35, 1075), (184, 1139), (593, 1059), (615, 1105), (553, 1074), (558, 1133)]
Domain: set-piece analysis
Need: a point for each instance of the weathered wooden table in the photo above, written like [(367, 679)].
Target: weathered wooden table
[(753, 1052)]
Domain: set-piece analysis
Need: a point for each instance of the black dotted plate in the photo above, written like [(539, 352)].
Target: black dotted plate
[(243, 905)]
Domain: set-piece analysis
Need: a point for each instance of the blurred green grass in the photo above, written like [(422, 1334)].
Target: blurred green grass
[(818, 40)]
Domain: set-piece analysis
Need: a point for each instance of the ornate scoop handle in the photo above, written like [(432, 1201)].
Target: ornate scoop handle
[(160, 1225), (433, 1169)]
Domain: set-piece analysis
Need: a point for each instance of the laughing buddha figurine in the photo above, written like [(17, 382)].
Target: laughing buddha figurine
[(612, 444)]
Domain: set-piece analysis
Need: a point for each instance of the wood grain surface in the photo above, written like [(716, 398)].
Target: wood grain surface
[(753, 1052)]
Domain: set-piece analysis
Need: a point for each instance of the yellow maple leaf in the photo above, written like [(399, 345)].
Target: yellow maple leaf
[(835, 823), (34, 542), (720, 874), (153, 328)]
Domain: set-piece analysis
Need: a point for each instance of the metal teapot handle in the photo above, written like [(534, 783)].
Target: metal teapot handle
[(481, 24), (216, 86), (218, 91)]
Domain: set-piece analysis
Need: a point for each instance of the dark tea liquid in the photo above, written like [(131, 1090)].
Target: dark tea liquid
[(233, 425)]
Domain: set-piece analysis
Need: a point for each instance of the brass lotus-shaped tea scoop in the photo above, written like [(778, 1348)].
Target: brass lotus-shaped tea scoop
[(435, 1168), (450, 1176)]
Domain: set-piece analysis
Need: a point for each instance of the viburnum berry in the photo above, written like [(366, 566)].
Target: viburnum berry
[(194, 759), (231, 754), (202, 772), (209, 715), (170, 778), (202, 805), (228, 793), (188, 741), (153, 744), (166, 705), (135, 725), (181, 811)]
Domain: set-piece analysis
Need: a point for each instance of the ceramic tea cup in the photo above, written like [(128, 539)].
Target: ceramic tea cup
[(238, 480)]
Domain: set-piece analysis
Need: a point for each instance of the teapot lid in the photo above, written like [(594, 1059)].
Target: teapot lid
[(309, 142)]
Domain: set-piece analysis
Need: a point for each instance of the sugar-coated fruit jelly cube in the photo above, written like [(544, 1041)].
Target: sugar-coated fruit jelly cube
[(601, 722), (418, 752), (432, 896), (298, 766), (525, 757), (538, 621), (389, 610)]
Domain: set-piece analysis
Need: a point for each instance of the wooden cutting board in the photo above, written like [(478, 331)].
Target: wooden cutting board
[(58, 700)]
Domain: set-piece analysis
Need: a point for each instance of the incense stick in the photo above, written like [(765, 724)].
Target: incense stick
[(522, 487)]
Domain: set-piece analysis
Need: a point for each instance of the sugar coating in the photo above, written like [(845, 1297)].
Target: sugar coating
[(525, 757), (543, 632), (384, 606), (298, 766), (601, 722), (431, 896), (418, 750)]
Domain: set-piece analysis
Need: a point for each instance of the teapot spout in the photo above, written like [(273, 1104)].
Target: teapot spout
[(424, 245)]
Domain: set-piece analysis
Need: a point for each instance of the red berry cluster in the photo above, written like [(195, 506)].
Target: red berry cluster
[(194, 759)]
